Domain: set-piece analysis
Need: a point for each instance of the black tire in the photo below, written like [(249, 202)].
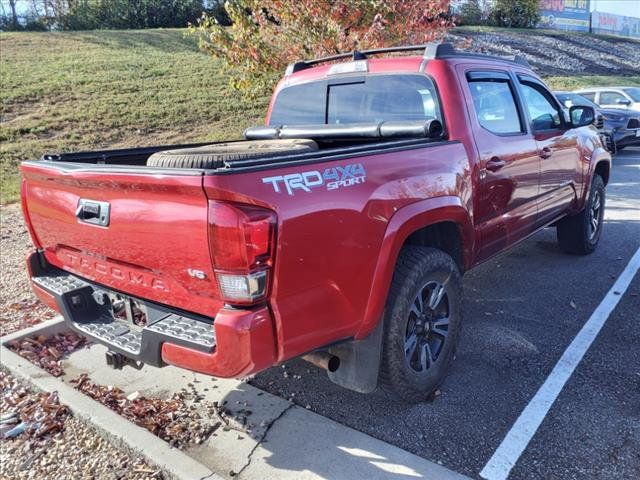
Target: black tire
[(214, 156), (579, 234), (402, 373)]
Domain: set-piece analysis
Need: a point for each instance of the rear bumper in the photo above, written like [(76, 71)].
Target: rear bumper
[(236, 343)]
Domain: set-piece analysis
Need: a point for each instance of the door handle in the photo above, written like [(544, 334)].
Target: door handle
[(546, 152), (93, 212), (495, 164)]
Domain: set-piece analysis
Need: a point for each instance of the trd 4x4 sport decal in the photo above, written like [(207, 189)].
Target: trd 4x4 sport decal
[(331, 178)]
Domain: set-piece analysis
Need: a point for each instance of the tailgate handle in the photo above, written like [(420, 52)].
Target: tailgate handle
[(93, 212)]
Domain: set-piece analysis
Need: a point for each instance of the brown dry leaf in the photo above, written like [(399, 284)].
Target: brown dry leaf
[(45, 351), (172, 420)]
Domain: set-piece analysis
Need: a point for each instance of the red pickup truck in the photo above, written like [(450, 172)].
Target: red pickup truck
[(338, 232)]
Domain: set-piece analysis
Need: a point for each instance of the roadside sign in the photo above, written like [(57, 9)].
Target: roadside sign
[(565, 15)]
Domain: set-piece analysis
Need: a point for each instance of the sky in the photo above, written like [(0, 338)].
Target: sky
[(629, 8)]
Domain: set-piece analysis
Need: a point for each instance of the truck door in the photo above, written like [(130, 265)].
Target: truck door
[(505, 209), (557, 143)]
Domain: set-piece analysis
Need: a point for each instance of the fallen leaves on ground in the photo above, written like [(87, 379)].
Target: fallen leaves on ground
[(24, 313), (35, 415), (47, 352), (176, 420), (49, 442)]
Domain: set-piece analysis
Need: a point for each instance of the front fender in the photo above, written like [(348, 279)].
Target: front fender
[(403, 223)]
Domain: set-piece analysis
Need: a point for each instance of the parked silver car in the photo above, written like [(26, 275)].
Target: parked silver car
[(613, 97)]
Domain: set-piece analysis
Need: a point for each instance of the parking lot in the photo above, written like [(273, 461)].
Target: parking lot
[(522, 310)]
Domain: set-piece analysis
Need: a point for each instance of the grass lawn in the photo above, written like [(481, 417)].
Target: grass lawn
[(579, 81), (86, 90), (108, 89)]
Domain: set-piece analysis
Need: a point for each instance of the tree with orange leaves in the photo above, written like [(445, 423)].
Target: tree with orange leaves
[(266, 35)]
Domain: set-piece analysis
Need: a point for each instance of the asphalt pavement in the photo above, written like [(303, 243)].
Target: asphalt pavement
[(521, 311)]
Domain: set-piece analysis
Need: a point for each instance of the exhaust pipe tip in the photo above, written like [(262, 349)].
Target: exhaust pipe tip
[(324, 360), (333, 364)]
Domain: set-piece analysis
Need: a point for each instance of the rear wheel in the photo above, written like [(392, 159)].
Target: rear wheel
[(422, 323), (579, 234)]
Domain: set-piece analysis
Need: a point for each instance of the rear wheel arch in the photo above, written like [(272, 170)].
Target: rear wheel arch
[(428, 223), (603, 168), (446, 236)]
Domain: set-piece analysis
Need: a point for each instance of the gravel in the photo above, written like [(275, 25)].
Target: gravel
[(73, 449), (19, 308), (557, 53), (59, 454)]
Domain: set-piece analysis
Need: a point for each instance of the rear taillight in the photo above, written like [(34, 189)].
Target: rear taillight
[(241, 241)]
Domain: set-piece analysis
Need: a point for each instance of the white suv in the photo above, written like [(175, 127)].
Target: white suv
[(614, 97)]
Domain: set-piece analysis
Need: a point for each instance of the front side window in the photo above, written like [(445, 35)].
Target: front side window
[(611, 98), (589, 96), (543, 111), (374, 98), (495, 105)]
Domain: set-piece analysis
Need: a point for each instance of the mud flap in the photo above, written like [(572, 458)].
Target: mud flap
[(359, 362)]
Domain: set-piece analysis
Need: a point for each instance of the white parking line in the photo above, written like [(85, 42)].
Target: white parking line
[(517, 439)]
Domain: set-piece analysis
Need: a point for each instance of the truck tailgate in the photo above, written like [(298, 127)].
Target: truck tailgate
[(143, 234)]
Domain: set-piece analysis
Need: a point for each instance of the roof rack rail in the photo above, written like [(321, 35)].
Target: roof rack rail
[(431, 51)]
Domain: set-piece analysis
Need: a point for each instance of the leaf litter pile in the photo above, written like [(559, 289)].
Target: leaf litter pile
[(34, 414), (47, 352), (41, 439), (178, 420)]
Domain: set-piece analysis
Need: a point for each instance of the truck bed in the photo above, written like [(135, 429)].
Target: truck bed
[(132, 159)]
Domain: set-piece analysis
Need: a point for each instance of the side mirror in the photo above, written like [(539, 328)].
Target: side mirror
[(623, 101), (581, 115)]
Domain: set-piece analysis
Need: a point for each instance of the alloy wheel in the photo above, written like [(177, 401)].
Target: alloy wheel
[(427, 326)]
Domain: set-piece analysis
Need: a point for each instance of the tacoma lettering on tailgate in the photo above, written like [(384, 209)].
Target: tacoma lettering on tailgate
[(91, 266)]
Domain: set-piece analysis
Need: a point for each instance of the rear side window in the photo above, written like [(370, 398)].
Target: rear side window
[(611, 98), (374, 98), (495, 105)]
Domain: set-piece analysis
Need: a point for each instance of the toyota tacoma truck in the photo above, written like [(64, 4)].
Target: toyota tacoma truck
[(338, 231)]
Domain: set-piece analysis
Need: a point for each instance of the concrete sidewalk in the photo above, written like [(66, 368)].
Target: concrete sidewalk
[(267, 437)]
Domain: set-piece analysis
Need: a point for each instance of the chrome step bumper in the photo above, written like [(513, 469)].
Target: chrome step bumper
[(86, 311)]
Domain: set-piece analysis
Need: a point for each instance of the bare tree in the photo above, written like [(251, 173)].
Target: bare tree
[(14, 13)]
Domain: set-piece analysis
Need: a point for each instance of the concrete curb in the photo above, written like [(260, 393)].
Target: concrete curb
[(137, 440)]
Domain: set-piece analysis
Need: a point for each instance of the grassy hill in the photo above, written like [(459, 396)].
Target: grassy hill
[(84, 90)]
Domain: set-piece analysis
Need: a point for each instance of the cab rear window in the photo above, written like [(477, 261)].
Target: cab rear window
[(373, 98)]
